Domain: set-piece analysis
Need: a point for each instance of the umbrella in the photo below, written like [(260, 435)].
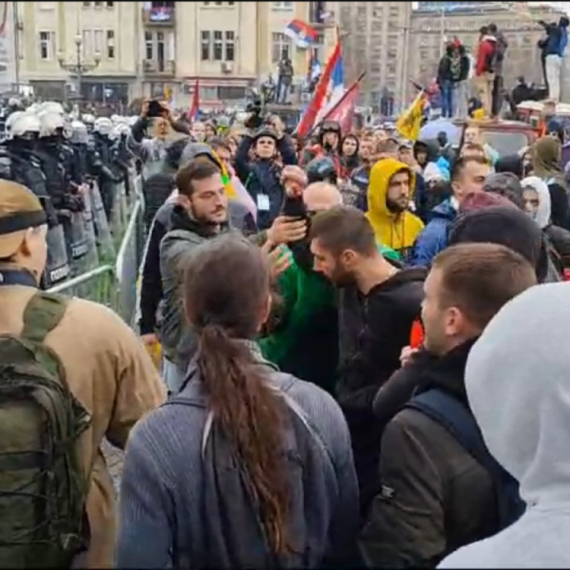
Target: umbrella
[(431, 129)]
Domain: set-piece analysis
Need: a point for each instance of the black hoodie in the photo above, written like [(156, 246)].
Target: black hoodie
[(373, 330)]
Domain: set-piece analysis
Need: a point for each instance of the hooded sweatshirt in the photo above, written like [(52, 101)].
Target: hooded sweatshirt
[(525, 424), (558, 237), (396, 230)]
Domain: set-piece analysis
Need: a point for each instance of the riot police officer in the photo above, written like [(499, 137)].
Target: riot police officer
[(107, 178), (20, 163)]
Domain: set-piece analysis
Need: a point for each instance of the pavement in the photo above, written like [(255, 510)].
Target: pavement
[(114, 459)]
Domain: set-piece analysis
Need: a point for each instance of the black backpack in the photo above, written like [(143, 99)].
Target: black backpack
[(450, 413), (42, 487)]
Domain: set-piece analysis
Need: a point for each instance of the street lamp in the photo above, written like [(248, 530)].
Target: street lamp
[(78, 67)]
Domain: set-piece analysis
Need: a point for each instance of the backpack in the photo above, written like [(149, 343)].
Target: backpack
[(42, 487), (455, 417)]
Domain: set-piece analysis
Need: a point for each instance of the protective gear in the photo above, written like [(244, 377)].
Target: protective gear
[(79, 134), (52, 107), (23, 125), (51, 124), (322, 169), (103, 126)]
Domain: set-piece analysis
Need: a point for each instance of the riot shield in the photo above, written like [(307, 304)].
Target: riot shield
[(92, 255), (102, 231), (77, 242), (57, 266), (120, 211)]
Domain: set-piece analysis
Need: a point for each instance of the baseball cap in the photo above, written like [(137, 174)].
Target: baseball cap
[(20, 210)]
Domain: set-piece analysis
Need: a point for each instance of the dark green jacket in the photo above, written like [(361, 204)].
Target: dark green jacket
[(304, 342)]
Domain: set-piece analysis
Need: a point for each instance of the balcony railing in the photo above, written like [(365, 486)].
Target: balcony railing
[(159, 16), (157, 67)]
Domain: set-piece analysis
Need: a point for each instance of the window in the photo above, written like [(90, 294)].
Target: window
[(160, 50), (217, 3), (97, 42), (231, 92), (282, 5), (110, 44), (46, 45), (98, 4), (230, 51), (110, 4), (280, 44), (208, 93), (87, 43), (86, 4), (218, 45), (149, 46), (205, 45)]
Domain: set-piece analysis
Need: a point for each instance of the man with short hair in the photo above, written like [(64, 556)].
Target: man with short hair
[(435, 496), (468, 176), (378, 304), (105, 368)]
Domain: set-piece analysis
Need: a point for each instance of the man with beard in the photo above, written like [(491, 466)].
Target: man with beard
[(201, 214), (389, 197), (378, 305), (435, 495)]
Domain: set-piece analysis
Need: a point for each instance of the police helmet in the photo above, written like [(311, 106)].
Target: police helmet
[(321, 169)]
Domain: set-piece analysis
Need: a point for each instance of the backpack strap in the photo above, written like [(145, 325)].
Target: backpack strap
[(456, 418), (43, 313)]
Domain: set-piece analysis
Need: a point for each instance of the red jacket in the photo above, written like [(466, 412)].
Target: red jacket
[(487, 47)]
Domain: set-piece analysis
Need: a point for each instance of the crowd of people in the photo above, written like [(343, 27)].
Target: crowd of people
[(362, 360), (460, 74)]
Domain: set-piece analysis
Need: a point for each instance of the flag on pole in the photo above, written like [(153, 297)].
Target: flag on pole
[(409, 122), (322, 92), (301, 33), (343, 111), (195, 108)]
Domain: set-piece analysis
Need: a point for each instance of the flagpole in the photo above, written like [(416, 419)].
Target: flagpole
[(344, 96)]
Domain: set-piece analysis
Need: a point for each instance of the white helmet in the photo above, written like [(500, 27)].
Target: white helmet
[(103, 126), (50, 122), (12, 117), (132, 120), (79, 133), (88, 118), (22, 124), (33, 108), (52, 107)]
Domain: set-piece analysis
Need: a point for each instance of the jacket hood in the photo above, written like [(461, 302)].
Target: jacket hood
[(546, 159), (429, 146), (519, 391), (380, 177), (544, 206), (444, 210)]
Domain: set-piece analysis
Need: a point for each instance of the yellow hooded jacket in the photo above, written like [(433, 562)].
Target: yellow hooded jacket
[(396, 230)]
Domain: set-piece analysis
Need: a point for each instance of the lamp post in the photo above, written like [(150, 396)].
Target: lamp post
[(79, 67)]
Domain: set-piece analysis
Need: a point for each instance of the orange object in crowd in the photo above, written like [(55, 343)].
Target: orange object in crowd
[(417, 334)]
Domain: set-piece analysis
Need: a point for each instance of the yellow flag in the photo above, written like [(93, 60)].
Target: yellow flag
[(409, 122)]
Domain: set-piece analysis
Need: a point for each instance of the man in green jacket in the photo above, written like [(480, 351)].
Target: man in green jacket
[(304, 341)]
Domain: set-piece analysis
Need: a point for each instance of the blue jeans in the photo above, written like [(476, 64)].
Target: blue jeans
[(446, 89)]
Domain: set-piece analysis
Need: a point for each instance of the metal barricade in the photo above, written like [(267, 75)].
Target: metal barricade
[(98, 285), (128, 263), (114, 284)]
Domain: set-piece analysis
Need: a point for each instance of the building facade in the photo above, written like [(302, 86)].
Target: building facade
[(429, 34), (160, 48), (375, 40), (55, 36)]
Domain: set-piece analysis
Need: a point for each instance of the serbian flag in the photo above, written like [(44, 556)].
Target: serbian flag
[(301, 33), (343, 111), (195, 109), (321, 95)]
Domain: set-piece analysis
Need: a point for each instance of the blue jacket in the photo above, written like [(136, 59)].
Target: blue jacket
[(433, 238)]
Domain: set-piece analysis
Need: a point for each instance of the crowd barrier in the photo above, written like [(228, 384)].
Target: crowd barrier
[(113, 281)]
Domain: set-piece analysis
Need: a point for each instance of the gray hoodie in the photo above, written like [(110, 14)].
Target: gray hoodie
[(518, 385)]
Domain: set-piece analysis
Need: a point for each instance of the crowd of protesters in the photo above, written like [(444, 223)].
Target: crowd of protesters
[(362, 360)]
